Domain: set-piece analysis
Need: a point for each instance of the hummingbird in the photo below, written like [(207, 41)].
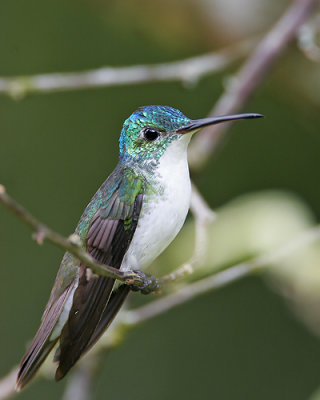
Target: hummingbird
[(131, 219)]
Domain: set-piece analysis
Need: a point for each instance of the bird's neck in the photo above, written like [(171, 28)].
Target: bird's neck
[(167, 168)]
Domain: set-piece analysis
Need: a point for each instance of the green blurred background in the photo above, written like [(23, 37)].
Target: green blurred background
[(240, 342)]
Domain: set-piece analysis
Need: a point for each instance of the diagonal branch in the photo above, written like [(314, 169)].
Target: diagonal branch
[(72, 244), (222, 278), (243, 85)]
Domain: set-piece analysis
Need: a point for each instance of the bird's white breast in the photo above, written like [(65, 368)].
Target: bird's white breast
[(164, 209)]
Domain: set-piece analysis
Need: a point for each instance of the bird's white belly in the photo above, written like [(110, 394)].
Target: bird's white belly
[(163, 212)]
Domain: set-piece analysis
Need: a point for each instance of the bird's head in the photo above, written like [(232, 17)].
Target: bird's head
[(148, 132)]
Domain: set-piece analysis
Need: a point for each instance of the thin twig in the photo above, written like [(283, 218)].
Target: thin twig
[(42, 232), (221, 279), (186, 293), (186, 71), (249, 78)]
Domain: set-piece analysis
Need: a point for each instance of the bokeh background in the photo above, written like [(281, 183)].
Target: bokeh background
[(239, 342)]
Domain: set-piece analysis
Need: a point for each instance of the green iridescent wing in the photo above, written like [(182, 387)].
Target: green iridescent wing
[(107, 236), (106, 228)]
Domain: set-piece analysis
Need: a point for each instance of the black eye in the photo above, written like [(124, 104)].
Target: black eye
[(150, 134)]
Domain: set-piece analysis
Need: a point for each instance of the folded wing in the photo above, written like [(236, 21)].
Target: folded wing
[(108, 237)]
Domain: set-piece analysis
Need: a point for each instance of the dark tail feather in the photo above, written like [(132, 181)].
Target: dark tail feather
[(32, 362), (116, 300), (41, 344), (89, 303)]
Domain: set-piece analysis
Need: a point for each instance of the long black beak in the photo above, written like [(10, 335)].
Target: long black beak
[(200, 123)]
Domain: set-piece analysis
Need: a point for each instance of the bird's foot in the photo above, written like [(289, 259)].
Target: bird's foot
[(147, 283)]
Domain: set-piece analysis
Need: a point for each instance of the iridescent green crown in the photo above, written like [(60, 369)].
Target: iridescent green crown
[(163, 118)]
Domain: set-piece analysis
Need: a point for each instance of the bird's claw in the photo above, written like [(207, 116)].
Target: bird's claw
[(148, 283)]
